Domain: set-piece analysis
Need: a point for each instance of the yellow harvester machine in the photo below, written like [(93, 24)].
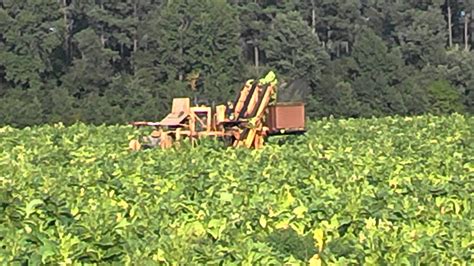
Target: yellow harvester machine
[(245, 123)]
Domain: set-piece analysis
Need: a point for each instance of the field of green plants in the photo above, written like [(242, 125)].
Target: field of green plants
[(372, 191)]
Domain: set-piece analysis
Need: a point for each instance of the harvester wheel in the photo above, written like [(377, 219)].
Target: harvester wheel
[(228, 141)]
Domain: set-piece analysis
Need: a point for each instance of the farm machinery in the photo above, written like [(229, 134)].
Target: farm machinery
[(254, 116)]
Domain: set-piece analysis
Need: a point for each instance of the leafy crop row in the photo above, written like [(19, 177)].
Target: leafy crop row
[(374, 191)]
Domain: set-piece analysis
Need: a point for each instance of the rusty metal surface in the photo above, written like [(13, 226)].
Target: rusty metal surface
[(181, 105), (179, 111), (286, 116)]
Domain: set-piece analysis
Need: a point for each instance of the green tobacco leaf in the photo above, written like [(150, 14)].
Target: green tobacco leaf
[(31, 207), (228, 197), (381, 191), (216, 227), (300, 211)]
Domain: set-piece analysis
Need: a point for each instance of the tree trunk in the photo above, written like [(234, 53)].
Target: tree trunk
[(450, 27), (102, 37), (66, 29), (135, 44), (466, 32), (256, 54), (313, 16), (135, 36)]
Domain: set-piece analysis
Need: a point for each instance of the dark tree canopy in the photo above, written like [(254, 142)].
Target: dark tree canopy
[(109, 61)]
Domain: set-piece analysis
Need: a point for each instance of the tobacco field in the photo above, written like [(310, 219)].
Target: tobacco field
[(359, 191)]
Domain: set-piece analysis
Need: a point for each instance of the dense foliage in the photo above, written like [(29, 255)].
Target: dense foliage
[(107, 61), (376, 191)]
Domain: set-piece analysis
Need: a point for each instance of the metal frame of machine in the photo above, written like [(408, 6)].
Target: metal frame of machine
[(246, 123)]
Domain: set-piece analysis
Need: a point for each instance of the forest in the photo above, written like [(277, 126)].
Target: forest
[(114, 61)]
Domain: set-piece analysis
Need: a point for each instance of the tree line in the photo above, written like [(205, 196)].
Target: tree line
[(113, 61)]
